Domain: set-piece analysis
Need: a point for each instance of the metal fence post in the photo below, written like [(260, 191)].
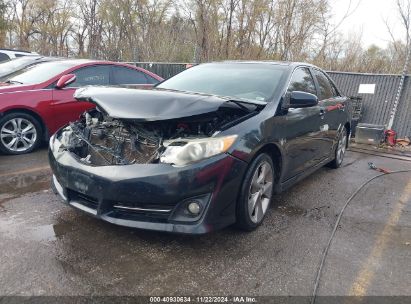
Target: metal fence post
[(399, 91)]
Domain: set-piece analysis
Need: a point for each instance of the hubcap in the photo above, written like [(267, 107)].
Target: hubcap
[(342, 145), (260, 192), (18, 135)]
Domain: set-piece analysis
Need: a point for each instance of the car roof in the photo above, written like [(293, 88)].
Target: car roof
[(16, 51), (75, 62), (85, 61), (38, 58), (291, 64), (71, 63)]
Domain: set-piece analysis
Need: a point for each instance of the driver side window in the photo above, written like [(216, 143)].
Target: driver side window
[(302, 80)]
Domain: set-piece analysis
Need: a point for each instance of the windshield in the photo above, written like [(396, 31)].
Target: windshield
[(251, 81), (15, 64), (41, 72)]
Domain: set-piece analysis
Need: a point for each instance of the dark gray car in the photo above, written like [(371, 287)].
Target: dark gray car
[(205, 149)]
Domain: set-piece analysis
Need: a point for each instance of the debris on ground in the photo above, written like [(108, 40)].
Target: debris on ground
[(397, 148), (403, 141), (400, 145)]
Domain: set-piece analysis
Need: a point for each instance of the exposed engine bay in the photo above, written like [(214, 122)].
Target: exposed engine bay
[(98, 139)]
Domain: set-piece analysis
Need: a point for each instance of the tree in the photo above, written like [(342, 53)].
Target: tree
[(4, 22), (178, 30)]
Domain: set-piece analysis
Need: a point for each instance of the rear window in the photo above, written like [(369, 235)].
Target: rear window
[(4, 57), (123, 75)]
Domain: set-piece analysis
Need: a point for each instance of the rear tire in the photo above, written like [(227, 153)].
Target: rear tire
[(256, 193), (340, 149), (20, 133)]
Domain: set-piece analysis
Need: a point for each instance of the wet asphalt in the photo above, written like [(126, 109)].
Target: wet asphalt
[(47, 248)]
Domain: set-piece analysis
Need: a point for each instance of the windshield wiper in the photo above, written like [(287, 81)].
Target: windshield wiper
[(13, 82), (241, 101)]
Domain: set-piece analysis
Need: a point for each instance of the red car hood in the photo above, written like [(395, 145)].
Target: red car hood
[(8, 88)]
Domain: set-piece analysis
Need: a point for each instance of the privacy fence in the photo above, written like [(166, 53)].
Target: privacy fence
[(378, 102), (378, 93)]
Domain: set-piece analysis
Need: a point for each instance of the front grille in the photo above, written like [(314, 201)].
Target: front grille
[(158, 213), (143, 212), (83, 199), (139, 216)]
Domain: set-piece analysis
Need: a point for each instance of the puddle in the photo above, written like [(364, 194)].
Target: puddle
[(60, 229), (50, 232), (43, 233), (17, 229), (17, 186), (5, 198)]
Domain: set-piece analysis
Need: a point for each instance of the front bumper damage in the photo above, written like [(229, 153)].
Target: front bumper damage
[(151, 196)]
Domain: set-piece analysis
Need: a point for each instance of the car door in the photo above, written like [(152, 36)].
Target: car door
[(303, 140), (334, 107), (129, 77), (65, 107)]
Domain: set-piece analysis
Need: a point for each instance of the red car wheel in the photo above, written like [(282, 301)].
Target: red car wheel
[(19, 133)]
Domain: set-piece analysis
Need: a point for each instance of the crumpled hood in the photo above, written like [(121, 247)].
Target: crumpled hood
[(148, 105)]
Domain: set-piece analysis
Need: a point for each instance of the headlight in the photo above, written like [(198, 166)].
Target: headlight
[(183, 152)]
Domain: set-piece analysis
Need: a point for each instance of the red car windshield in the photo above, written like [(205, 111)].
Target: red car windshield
[(41, 72)]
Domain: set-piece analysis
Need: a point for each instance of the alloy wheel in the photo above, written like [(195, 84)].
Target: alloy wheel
[(342, 146), (260, 192), (18, 134)]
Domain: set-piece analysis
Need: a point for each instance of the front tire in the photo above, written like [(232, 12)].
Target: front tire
[(256, 193), (20, 133)]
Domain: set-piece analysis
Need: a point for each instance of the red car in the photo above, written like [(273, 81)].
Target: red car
[(37, 102)]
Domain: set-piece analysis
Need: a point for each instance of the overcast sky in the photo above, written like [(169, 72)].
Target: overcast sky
[(369, 18)]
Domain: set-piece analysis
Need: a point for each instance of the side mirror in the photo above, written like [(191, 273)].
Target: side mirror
[(298, 99), (65, 80)]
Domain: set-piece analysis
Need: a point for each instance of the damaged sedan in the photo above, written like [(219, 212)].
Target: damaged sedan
[(202, 150)]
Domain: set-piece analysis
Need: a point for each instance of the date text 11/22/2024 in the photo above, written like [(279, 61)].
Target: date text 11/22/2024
[(203, 299)]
